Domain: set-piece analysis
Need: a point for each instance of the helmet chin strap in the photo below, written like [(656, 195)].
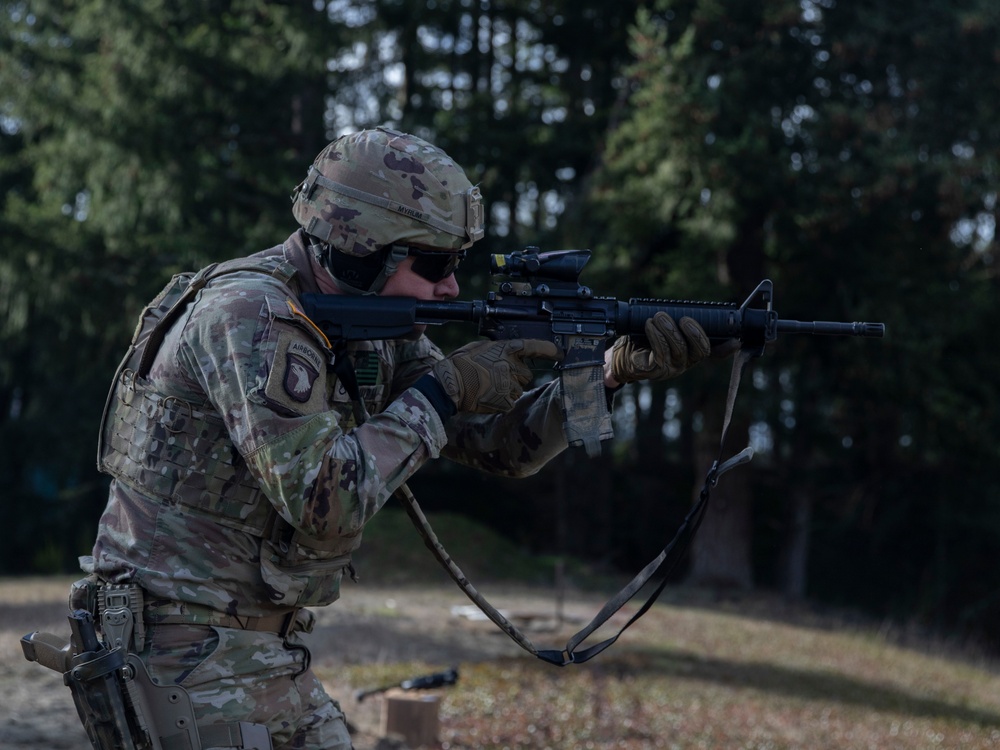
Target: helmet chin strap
[(353, 275)]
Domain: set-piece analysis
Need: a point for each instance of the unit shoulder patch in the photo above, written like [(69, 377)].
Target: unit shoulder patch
[(297, 379)]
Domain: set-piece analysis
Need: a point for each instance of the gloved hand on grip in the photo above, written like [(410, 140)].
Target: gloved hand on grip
[(670, 350), (487, 377)]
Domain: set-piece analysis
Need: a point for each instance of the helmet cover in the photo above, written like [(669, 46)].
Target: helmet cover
[(374, 188)]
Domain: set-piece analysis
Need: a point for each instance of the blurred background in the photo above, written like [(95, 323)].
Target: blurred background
[(848, 151)]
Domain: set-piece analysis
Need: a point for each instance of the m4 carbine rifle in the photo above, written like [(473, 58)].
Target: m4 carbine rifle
[(539, 296)]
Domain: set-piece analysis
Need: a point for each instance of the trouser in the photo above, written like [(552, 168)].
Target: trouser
[(236, 675)]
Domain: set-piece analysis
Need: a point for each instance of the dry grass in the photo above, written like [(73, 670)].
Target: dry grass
[(696, 677), (692, 673)]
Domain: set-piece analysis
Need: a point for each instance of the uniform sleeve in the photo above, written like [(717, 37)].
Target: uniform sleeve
[(515, 444), (266, 373), (411, 360)]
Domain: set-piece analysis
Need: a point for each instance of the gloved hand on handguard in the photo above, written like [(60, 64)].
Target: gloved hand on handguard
[(668, 350)]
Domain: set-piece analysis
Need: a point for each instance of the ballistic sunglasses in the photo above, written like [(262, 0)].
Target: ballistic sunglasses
[(433, 265)]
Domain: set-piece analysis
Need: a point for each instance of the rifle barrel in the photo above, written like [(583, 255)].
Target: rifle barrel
[(868, 330)]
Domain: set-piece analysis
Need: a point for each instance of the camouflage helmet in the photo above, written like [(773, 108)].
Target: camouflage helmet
[(375, 188)]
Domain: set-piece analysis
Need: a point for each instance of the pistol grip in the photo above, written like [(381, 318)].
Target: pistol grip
[(48, 650)]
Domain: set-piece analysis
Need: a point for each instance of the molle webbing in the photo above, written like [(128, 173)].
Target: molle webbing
[(168, 448)]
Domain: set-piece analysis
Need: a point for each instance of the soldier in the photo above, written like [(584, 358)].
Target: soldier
[(244, 467)]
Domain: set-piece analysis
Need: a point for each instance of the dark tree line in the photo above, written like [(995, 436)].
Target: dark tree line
[(847, 151)]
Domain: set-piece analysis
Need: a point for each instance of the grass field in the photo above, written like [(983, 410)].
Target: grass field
[(698, 671), (696, 677)]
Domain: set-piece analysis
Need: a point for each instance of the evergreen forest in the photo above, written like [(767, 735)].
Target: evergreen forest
[(848, 151)]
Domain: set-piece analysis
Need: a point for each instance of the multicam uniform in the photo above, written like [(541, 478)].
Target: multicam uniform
[(242, 483)]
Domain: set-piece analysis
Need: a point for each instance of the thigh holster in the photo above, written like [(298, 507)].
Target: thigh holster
[(119, 705)]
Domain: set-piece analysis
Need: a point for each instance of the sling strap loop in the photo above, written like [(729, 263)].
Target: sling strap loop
[(669, 557)]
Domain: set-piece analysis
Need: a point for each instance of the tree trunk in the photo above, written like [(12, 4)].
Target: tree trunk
[(796, 557), (721, 550)]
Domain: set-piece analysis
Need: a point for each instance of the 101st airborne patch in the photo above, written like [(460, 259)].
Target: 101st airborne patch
[(297, 379)]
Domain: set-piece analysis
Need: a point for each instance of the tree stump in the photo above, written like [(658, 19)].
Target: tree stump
[(412, 716)]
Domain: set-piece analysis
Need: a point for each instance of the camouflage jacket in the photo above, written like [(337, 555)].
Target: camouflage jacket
[(242, 481)]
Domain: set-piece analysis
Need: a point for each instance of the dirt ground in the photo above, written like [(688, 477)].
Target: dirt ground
[(429, 625)]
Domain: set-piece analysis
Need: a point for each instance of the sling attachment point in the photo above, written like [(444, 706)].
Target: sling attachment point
[(717, 470)]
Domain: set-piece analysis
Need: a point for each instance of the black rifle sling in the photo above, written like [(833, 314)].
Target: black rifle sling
[(670, 555)]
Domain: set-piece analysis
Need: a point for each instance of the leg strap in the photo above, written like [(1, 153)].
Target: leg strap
[(168, 707), (241, 734)]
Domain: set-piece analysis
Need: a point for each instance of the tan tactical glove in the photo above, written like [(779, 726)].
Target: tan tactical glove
[(671, 349), (489, 376)]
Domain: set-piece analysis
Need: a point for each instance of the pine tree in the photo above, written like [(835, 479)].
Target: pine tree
[(850, 154), (138, 140)]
